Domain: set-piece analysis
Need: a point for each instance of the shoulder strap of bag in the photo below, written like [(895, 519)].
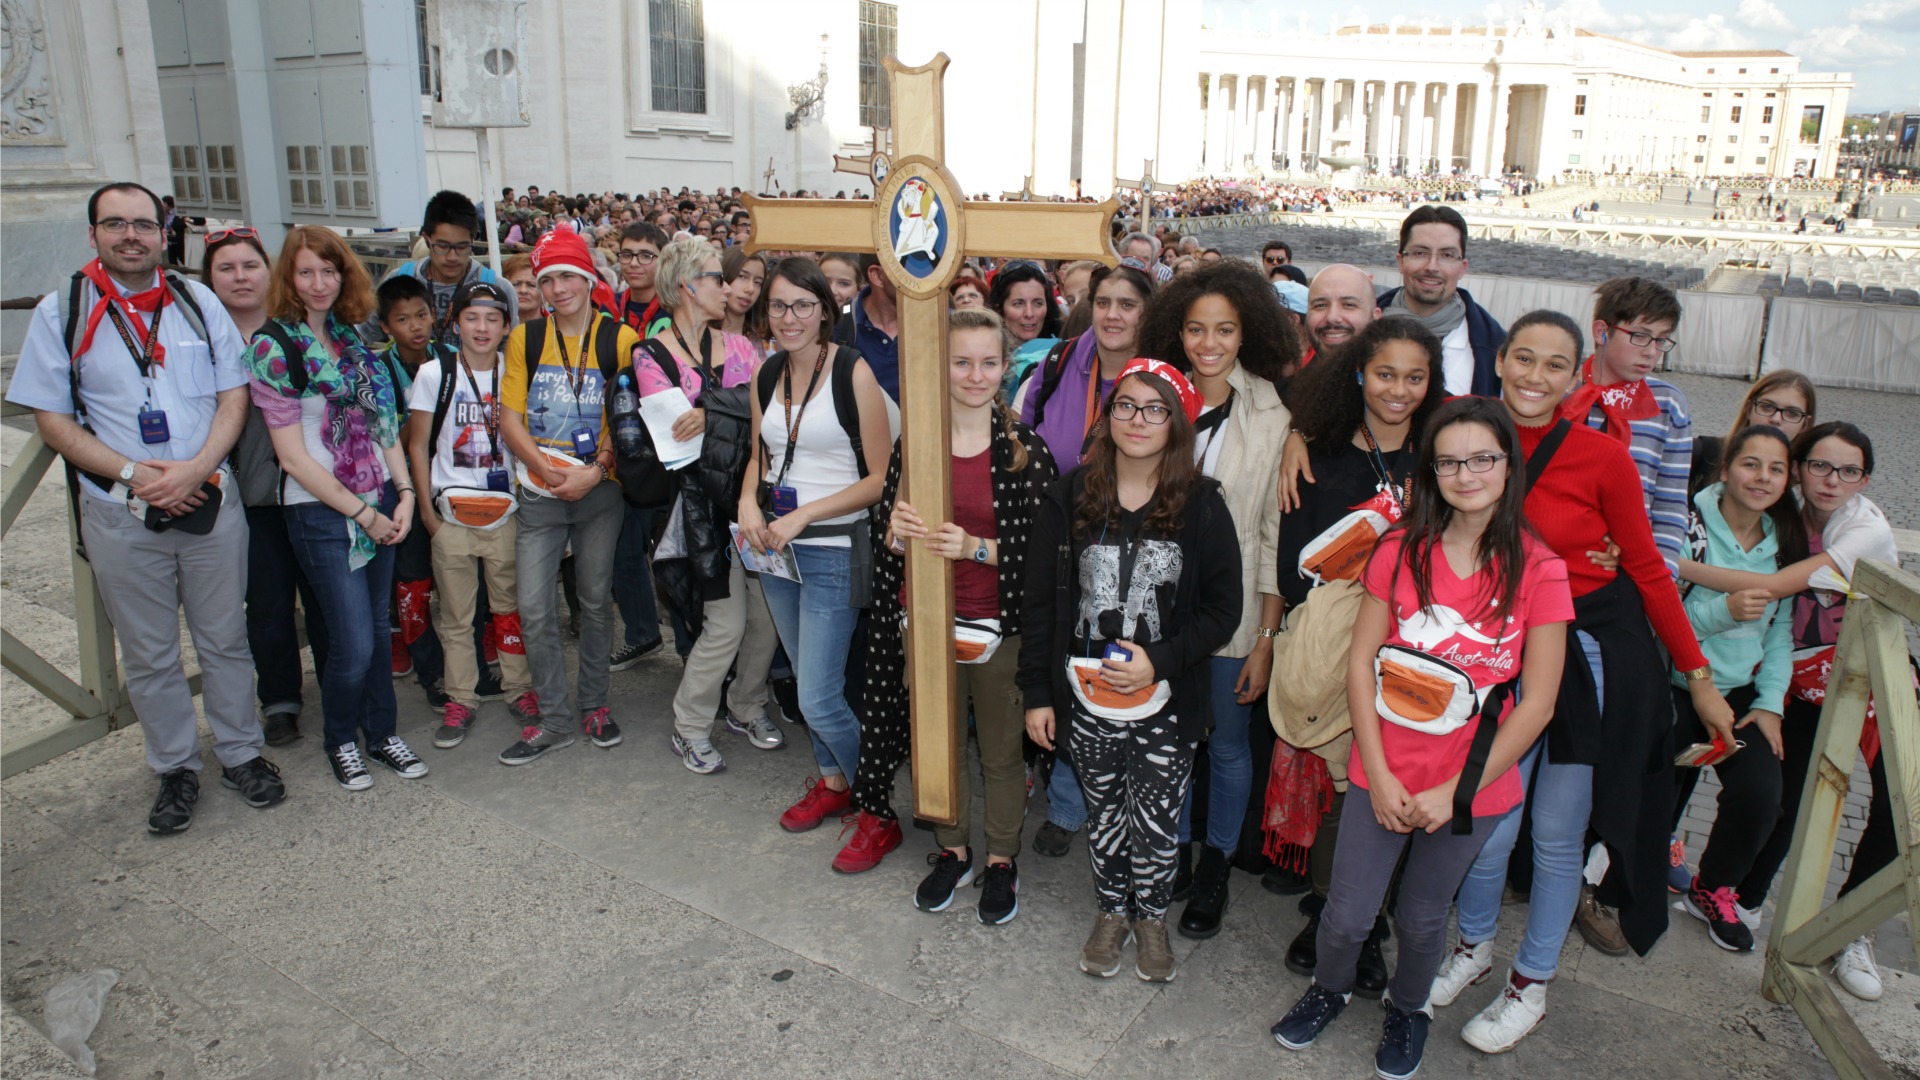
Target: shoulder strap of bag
[(1476, 765), (768, 378), (536, 345), (295, 356), (442, 401), (846, 407), (189, 307), (662, 356), (1543, 454), (1051, 369)]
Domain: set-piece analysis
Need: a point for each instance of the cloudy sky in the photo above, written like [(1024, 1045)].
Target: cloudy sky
[(1877, 40)]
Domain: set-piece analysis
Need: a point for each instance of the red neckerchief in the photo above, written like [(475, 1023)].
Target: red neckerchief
[(647, 314), (1308, 359), (130, 306), (1621, 404)]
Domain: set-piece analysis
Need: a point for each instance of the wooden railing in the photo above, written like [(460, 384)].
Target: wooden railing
[(1870, 659)]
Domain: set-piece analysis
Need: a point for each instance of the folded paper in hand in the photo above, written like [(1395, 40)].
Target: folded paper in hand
[(660, 411)]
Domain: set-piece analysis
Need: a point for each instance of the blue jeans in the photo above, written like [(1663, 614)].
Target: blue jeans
[(356, 691), (1562, 802), (273, 578), (633, 578), (1066, 803), (1229, 763), (816, 625)]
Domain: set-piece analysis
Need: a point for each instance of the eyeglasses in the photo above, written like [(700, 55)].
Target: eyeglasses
[(1478, 463), (118, 226), (644, 258), (1849, 474), (1443, 257), (1154, 413), (718, 277), (1641, 339), (802, 309), (1791, 415), (442, 248), (245, 232)]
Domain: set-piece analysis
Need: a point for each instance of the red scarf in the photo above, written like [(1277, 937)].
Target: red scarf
[(1621, 404), (130, 306)]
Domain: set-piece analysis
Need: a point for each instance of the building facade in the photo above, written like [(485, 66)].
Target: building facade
[(1537, 97)]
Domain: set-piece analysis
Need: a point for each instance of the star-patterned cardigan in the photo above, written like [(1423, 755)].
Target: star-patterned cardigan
[(882, 704)]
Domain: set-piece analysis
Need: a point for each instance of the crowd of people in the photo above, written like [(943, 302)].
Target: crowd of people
[(1391, 576)]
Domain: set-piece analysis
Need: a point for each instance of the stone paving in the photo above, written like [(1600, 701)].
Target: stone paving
[(606, 913)]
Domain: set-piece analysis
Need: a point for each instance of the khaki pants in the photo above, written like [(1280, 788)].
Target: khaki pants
[(999, 723), (455, 550), (737, 626)]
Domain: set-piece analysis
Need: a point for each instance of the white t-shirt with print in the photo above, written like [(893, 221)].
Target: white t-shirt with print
[(464, 454)]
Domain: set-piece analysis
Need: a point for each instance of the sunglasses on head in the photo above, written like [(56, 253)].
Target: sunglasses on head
[(244, 232)]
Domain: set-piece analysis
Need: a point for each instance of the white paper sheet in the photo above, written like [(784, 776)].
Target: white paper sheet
[(660, 411)]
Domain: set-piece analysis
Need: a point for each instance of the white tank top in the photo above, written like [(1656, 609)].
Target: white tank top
[(823, 461)]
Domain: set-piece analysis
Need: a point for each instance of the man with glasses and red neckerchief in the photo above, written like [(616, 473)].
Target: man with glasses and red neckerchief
[(145, 403)]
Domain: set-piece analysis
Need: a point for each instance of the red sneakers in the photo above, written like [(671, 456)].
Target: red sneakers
[(873, 837), (402, 657), (815, 806)]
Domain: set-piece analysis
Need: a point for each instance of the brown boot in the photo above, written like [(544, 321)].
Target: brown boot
[(1101, 954), (1599, 924), (1153, 956)]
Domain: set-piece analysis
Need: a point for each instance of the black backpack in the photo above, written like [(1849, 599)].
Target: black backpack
[(1051, 368), (643, 483)]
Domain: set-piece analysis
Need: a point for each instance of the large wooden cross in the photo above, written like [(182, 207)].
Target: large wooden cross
[(1146, 186), (920, 227), (1025, 194)]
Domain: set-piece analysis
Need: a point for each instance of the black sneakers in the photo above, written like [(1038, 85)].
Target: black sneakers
[(398, 756), (1000, 898), (173, 809), (1309, 1017), (626, 656), (1051, 840), (949, 873), (349, 768), (257, 781), (280, 728)]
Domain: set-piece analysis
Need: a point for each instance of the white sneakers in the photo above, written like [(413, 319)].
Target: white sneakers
[(1500, 1026), (1855, 969), (1467, 965)]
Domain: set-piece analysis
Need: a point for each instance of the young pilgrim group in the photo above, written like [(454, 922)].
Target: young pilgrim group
[(1441, 611)]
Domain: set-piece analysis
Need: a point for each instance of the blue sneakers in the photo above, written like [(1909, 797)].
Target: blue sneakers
[(1309, 1017), (1403, 1041)]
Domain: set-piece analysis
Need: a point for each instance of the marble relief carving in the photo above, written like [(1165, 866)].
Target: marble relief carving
[(27, 112)]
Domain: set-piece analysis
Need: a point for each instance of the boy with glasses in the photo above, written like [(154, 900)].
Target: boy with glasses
[(639, 257), (449, 226)]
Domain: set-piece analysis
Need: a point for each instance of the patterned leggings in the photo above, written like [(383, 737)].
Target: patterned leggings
[(1134, 774)]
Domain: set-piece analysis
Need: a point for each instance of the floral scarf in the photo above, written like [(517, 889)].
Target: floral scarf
[(362, 413)]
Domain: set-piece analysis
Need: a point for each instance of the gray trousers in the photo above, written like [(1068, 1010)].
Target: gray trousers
[(547, 526), (146, 579), (1363, 865), (738, 626)]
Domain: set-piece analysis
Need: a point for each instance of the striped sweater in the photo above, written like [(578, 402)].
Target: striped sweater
[(1662, 451)]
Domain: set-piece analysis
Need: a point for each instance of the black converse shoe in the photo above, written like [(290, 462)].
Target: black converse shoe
[(396, 755), (349, 768)]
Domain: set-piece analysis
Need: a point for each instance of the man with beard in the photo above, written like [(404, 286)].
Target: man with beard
[(135, 377), (1340, 304), (1432, 260)]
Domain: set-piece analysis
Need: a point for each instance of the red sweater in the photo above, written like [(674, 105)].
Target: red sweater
[(1592, 492)]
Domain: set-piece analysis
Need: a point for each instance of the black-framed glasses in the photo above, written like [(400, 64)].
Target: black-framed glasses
[(802, 309), (441, 247), (644, 258), (1153, 412), (1849, 474), (114, 226), (718, 277), (1766, 408), (1478, 463), (1641, 339)]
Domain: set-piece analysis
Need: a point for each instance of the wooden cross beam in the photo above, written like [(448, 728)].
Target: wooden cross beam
[(767, 180), (1025, 194), (874, 163), (921, 227), (1146, 186)]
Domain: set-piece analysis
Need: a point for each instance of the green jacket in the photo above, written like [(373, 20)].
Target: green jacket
[(1758, 652)]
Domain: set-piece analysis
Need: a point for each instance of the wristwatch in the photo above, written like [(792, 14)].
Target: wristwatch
[(1269, 632), (980, 553), (1699, 674), (126, 473)]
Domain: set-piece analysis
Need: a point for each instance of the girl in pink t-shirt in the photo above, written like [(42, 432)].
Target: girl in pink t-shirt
[(1462, 581)]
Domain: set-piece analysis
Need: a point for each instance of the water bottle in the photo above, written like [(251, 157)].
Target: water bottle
[(628, 433)]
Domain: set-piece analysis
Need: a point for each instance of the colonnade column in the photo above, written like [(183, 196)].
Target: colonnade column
[(1497, 112), (1443, 129), (1296, 109), (1263, 123), (1216, 124)]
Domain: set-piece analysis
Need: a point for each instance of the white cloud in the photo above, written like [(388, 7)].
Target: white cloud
[(1680, 33), (1892, 14), (1765, 15), (1848, 46)]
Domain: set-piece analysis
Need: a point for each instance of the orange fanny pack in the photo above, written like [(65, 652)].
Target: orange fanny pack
[(1423, 692), (475, 508), (1340, 552), (1102, 700)]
